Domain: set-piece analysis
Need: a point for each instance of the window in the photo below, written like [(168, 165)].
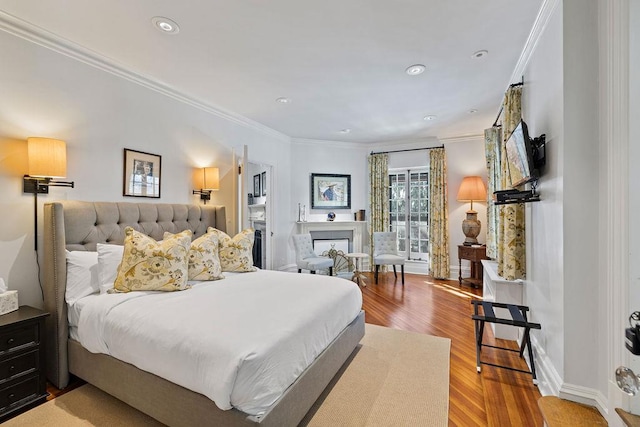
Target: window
[(409, 211)]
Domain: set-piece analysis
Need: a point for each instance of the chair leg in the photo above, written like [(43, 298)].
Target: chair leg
[(330, 271), (299, 270), (402, 272), (395, 274), (376, 274), (312, 271)]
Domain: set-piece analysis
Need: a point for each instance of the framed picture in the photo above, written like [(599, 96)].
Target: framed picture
[(142, 172), (264, 183), (256, 185), (330, 191)]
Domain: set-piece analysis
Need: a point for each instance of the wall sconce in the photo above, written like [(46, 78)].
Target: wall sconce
[(472, 189), (208, 179), (47, 160)]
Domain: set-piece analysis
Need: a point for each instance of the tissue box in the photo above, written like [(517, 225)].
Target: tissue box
[(8, 301)]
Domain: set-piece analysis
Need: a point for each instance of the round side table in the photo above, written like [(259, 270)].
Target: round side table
[(358, 277)]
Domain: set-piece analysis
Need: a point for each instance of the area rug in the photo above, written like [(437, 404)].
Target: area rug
[(395, 378)]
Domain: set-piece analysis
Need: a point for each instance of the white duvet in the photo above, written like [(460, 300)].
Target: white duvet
[(240, 341)]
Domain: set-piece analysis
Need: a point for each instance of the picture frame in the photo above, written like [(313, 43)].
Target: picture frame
[(256, 185), (330, 191), (142, 173), (263, 179)]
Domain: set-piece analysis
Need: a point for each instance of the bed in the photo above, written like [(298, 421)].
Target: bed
[(80, 226)]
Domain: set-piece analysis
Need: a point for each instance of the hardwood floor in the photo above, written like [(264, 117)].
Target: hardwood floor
[(495, 397)]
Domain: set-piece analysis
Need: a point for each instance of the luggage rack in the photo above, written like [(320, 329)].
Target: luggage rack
[(518, 318)]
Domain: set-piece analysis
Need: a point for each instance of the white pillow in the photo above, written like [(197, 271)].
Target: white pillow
[(109, 258), (82, 275)]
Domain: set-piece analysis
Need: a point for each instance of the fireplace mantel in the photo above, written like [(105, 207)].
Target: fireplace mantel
[(359, 229)]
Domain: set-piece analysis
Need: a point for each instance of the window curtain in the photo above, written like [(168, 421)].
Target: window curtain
[(511, 225), (438, 216), (379, 195), (492, 140)]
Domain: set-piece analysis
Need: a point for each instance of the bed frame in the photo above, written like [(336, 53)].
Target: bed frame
[(74, 225)]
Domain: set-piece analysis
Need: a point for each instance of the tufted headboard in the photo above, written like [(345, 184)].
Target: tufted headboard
[(79, 226)]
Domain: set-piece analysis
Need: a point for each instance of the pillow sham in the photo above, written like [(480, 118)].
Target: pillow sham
[(204, 263), (109, 258), (148, 265), (236, 252), (82, 275)]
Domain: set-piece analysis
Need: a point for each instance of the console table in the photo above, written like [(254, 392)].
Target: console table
[(474, 254)]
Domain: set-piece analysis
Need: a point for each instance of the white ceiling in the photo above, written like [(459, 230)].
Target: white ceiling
[(341, 62)]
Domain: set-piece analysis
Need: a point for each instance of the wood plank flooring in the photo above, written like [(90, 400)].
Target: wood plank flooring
[(495, 397)]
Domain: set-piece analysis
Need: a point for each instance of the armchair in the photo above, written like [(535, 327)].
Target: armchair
[(306, 259), (385, 252)]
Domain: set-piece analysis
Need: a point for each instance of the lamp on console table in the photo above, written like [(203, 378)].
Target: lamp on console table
[(471, 190)]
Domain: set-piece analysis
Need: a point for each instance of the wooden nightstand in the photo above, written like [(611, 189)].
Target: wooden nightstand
[(475, 254), (22, 363)]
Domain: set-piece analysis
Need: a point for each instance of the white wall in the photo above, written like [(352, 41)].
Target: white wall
[(98, 114), (561, 96)]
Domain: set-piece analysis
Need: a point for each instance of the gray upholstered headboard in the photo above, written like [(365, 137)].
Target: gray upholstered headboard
[(74, 225)]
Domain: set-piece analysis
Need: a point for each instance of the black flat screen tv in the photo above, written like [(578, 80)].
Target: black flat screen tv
[(520, 156)]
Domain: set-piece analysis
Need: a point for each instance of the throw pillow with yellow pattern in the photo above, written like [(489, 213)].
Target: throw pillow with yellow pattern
[(236, 253), (148, 265), (204, 263)]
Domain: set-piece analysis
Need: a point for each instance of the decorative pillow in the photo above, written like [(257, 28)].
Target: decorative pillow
[(204, 263), (148, 265), (109, 258), (235, 253), (82, 275)]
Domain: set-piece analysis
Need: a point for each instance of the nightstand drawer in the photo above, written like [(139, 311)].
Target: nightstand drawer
[(472, 253), (19, 391), (18, 365), (18, 337)]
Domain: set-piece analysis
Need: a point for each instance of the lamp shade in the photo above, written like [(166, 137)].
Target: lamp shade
[(207, 178), (472, 189), (47, 157)]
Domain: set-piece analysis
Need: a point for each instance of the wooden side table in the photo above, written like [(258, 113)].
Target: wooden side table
[(22, 375), (474, 254)]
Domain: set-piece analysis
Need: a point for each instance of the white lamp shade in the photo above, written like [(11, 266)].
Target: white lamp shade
[(472, 189), (47, 157), (207, 178)]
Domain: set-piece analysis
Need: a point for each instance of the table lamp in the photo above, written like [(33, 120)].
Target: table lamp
[(472, 189)]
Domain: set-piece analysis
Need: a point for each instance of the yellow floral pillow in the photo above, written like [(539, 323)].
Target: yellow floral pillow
[(148, 265), (236, 253), (204, 263)]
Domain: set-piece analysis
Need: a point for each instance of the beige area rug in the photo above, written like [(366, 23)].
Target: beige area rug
[(395, 378)]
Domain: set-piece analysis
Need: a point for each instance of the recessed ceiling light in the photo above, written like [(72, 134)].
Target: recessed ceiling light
[(283, 100), (480, 54), (345, 130), (165, 25), (429, 118), (473, 111), (416, 69)]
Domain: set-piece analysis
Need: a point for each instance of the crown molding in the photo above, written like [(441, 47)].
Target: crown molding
[(37, 35), (329, 143), (539, 27), (466, 138)]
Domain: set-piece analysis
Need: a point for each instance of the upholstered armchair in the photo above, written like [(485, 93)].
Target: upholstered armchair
[(306, 259), (385, 252)]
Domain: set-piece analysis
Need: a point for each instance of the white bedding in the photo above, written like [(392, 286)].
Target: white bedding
[(240, 341)]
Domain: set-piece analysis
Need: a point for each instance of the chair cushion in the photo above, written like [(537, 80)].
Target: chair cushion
[(388, 259), (318, 263)]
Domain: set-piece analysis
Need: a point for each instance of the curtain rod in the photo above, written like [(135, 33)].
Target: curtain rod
[(408, 149), (502, 104)]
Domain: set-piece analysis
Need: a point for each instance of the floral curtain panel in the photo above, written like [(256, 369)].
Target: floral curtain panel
[(492, 140), (511, 228), (379, 195), (438, 217)]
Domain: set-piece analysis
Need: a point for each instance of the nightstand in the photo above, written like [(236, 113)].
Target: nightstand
[(22, 363), (474, 254)]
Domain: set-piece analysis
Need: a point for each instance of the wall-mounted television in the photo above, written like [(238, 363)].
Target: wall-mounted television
[(524, 156)]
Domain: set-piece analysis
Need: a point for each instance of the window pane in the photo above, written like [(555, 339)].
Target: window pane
[(414, 245), (424, 246)]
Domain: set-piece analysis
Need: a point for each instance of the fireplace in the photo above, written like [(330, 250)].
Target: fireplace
[(355, 232)]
